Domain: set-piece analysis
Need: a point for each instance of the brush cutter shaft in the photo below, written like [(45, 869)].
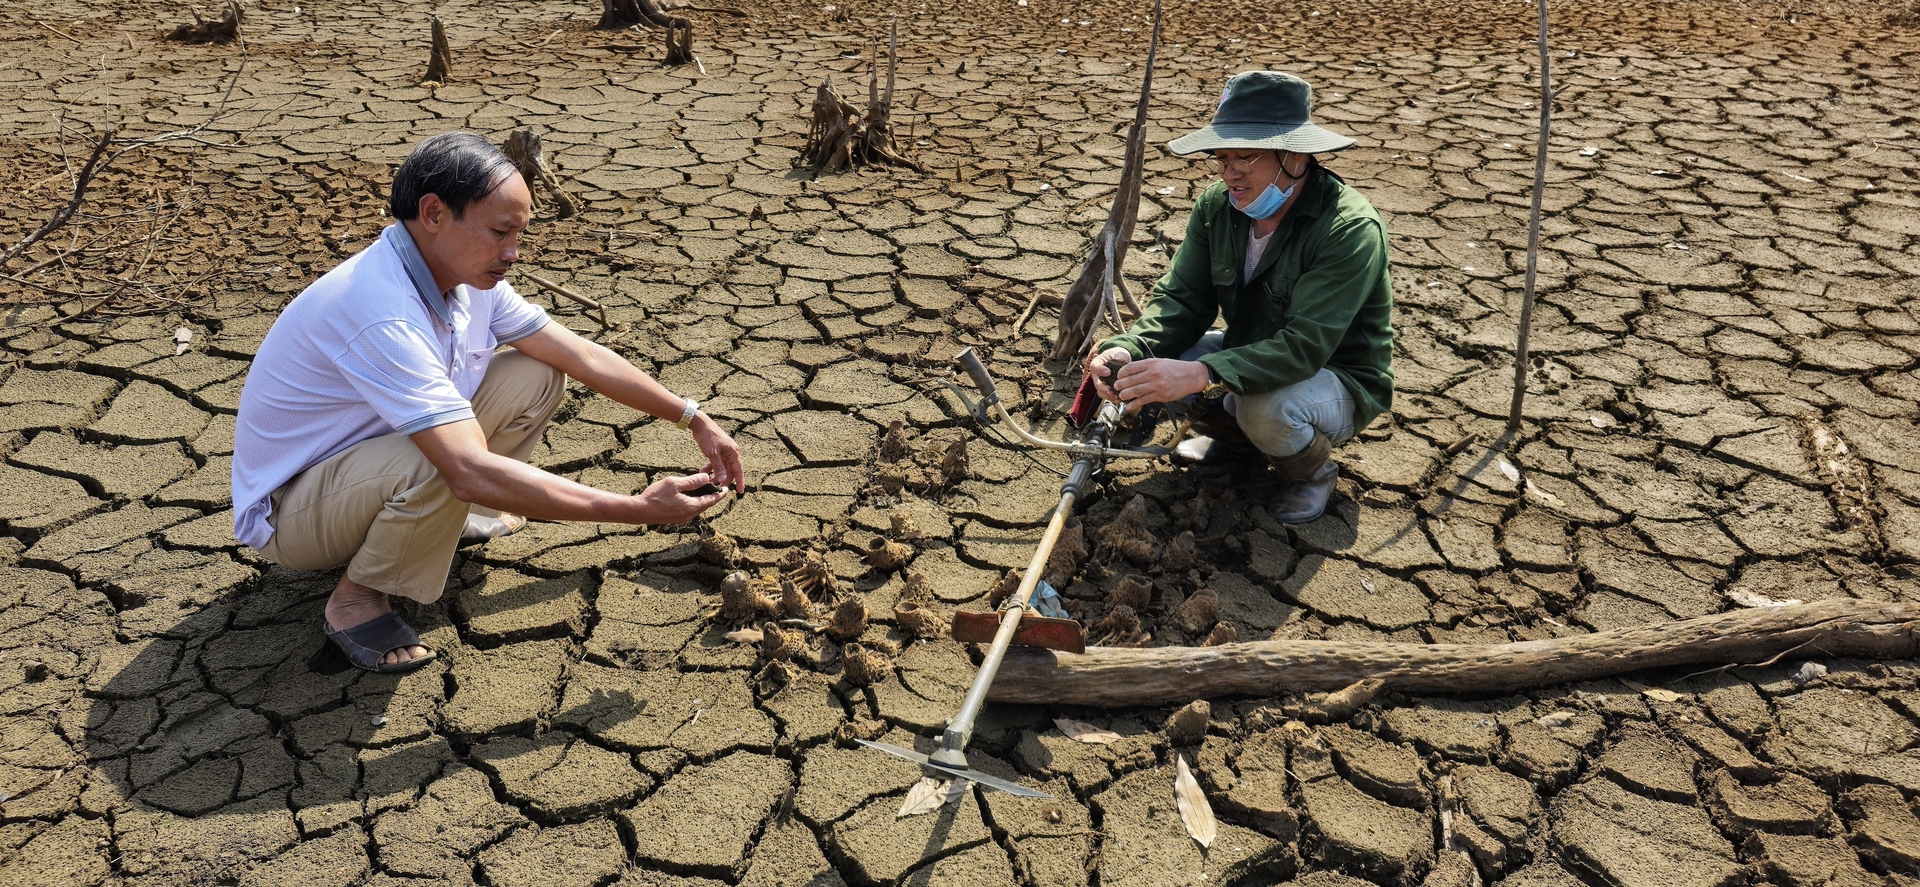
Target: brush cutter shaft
[(961, 727)]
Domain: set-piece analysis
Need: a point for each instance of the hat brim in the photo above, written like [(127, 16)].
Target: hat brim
[(1304, 138)]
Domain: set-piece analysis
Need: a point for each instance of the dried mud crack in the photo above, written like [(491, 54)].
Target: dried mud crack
[(1722, 415)]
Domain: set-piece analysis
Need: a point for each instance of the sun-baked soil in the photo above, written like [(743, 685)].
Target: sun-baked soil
[(1722, 409)]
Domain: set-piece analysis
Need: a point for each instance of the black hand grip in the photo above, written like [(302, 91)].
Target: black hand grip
[(978, 371)]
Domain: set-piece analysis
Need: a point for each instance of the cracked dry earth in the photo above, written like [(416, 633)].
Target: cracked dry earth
[(1722, 411)]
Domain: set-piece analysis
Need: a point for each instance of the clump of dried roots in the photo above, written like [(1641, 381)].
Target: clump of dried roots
[(839, 138), (886, 555), (1199, 611), (1128, 534), (1132, 590), (863, 666), (807, 569), (204, 30), (1120, 628), (923, 466), (849, 620), (745, 599), (440, 63), (1069, 552), (794, 603), (1005, 588)]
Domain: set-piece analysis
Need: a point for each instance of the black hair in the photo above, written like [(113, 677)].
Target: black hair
[(460, 167)]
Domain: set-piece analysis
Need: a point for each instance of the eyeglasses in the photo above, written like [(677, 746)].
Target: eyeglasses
[(1217, 164)]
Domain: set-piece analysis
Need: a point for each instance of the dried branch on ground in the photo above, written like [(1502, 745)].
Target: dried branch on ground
[(203, 30), (1162, 675), (1091, 299), (107, 148)]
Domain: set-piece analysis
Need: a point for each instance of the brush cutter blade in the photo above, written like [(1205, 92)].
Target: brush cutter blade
[(1035, 630), (993, 782)]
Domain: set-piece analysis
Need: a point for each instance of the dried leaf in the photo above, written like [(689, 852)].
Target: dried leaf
[(1195, 813), (1660, 695), (1556, 719), (1506, 468), (930, 794), (1545, 497), (182, 337), (1081, 731), (745, 636), (1602, 420)]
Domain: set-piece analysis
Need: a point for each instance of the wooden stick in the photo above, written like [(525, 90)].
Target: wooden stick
[(1174, 675), (552, 287), (1533, 228)]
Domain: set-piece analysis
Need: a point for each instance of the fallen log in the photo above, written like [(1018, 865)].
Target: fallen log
[(1172, 675)]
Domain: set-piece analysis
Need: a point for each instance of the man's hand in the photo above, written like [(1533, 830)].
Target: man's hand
[(669, 500), (723, 455), (1102, 367), (1159, 380)]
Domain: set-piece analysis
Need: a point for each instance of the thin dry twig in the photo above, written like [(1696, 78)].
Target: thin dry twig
[(557, 289)]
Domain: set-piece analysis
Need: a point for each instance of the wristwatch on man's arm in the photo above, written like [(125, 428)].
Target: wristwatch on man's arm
[(1215, 389)]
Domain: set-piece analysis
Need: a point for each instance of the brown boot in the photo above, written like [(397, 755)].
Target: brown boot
[(1307, 480)]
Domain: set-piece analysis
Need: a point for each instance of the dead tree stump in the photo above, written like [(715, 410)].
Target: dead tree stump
[(523, 148), (209, 30), (440, 64), (627, 13), (841, 137)]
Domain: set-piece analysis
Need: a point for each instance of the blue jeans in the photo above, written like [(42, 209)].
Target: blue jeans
[(1283, 422)]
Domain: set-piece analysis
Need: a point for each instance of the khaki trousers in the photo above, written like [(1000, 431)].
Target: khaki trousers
[(383, 510)]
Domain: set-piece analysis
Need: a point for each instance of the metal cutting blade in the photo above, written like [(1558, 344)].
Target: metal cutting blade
[(993, 782)]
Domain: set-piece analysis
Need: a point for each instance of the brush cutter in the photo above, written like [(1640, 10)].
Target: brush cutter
[(1016, 622)]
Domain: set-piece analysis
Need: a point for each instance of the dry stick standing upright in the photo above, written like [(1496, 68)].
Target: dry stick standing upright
[(1091, 298), (1533, 228)]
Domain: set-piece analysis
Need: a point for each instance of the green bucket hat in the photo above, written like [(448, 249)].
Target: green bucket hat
[(1263, 111)]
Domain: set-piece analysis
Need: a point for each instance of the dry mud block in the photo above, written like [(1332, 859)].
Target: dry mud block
[(506, 606), (876, 847), (557, 778), (1355, 829), (1831, 732), (504, 688), (788, 855), (703, 714), (836, 781), (570, 856), (1147, 844), (702, 820), (1801, 861), (455, 816), (1631, 841)]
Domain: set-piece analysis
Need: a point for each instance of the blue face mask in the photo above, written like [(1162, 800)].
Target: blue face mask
[(1268, 203)]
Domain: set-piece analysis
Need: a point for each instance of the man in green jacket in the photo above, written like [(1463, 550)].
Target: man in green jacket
[(1295, 263)]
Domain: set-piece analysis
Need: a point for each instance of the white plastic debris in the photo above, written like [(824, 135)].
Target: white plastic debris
[(1589, 151), (1601, 420), (1164, 191), (1809, 672)]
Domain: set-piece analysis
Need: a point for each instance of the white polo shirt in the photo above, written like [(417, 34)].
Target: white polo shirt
[(371, 348)]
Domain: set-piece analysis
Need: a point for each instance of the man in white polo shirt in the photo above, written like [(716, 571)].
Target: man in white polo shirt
[(377, 423)]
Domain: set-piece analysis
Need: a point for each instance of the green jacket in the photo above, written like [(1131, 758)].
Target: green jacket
[(1320, 297)]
